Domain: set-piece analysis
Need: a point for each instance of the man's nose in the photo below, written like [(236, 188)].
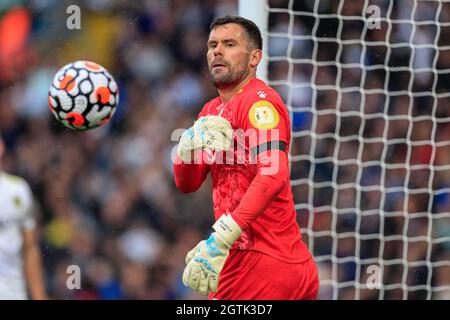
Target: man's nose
[(218, 50)]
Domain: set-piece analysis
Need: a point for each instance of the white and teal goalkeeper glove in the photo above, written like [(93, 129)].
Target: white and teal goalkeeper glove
[(205, 262), (212, 132)]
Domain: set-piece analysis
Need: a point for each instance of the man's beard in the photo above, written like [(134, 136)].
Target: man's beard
[(229, 78)]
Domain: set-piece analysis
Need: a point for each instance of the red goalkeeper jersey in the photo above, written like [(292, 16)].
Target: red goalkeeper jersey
[(260, 121)]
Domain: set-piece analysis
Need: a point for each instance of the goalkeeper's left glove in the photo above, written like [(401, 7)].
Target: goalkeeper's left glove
[(206, 260)]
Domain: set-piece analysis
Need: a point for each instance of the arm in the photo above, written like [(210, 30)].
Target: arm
[(33, 265), (264, 188), (268, 142), (189, 176)]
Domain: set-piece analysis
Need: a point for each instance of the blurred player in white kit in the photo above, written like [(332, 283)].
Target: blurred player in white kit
[(20, 256)]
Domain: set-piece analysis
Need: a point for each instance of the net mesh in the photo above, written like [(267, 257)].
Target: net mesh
[(366, 83)]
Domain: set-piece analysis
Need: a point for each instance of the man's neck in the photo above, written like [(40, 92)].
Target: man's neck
[(229, 92)]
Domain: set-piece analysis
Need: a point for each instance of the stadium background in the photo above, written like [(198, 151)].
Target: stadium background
[(106, 200)]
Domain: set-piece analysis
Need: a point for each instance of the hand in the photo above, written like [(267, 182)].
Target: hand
[(212, 132), (205, 262)]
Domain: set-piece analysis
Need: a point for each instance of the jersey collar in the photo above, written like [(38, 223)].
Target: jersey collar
[(253, 82)]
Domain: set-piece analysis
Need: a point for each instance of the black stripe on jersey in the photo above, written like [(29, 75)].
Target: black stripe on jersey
[(270, 145)]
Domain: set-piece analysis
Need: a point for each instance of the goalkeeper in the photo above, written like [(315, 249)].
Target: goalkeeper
[(255, 250)]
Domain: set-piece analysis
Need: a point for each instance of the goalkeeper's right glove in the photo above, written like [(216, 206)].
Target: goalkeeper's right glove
[(211, 132)]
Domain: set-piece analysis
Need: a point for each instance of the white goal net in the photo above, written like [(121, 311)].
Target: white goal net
[(367, 84)]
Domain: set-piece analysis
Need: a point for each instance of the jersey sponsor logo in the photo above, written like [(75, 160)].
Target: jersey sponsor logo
[(263, 115)]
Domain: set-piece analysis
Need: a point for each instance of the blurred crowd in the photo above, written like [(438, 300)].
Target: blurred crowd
[(106, 200)]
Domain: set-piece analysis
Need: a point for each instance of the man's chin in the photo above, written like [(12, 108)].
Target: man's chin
[(220, 82)]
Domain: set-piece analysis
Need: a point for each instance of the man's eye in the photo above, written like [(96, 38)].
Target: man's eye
[(230, 44)]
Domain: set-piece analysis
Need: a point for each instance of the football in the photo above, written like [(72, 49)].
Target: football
[(83, 95)]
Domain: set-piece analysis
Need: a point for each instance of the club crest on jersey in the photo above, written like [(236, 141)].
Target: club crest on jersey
[(263, 115)]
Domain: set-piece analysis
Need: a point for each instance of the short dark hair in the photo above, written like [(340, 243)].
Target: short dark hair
[(249, 26)]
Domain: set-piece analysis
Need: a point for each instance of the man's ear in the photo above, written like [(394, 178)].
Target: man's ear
[(255, 57)]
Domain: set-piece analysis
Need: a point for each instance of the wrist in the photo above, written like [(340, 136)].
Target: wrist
[(184, 156), (227, 229)]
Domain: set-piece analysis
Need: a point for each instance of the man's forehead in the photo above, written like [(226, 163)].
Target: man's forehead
[(229, 30)]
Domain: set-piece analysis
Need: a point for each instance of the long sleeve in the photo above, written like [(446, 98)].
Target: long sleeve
[(189, 176), (271, 177)]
